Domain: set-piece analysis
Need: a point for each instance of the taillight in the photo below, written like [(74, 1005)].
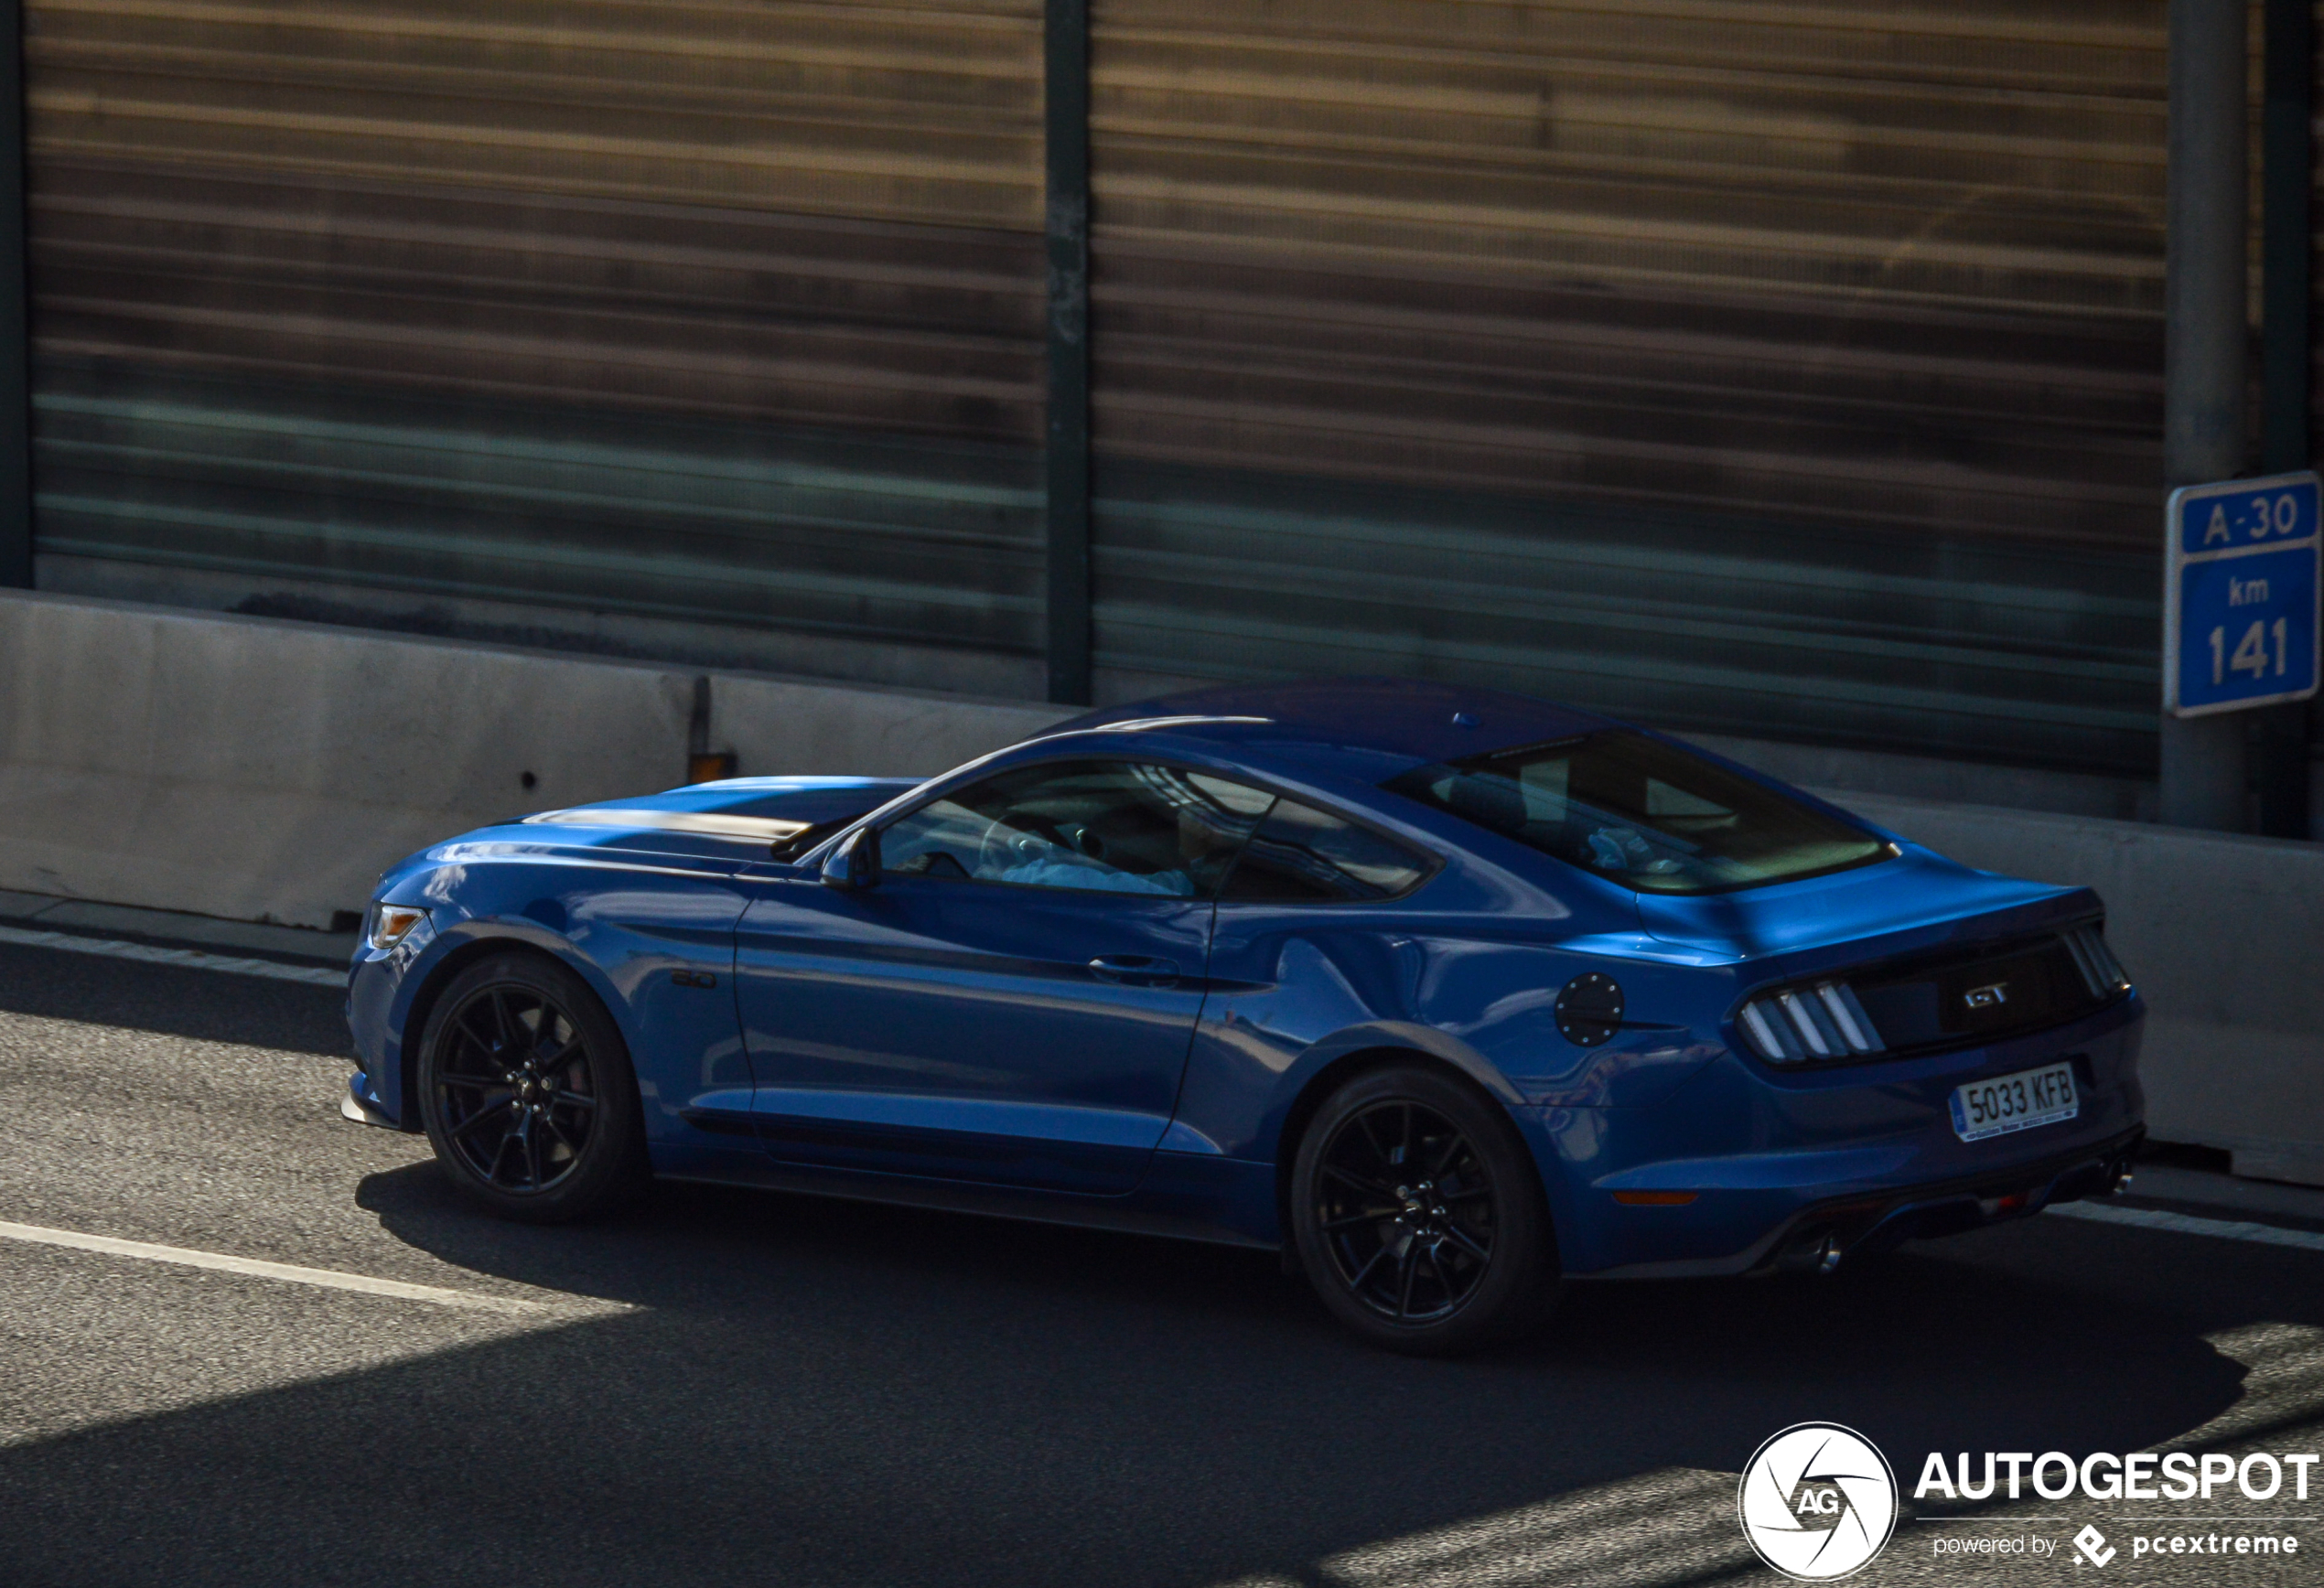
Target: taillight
[(1809, 1024), (1825, 1021), (2100, 972)]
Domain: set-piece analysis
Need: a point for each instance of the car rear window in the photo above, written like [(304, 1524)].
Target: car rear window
[(1302, 855), (1643, 813)]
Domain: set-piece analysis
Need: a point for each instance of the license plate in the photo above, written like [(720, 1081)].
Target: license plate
[(2015, 1102)]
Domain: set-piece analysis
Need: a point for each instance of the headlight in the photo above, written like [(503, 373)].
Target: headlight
[(390, 924)]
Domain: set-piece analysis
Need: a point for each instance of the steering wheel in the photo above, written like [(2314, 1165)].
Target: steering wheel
[(1004, 846)]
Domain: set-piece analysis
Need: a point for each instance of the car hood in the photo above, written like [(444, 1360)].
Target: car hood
[(1916, 900), (735, 819)]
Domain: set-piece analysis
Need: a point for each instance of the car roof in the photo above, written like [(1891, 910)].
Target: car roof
[(1409, 719)]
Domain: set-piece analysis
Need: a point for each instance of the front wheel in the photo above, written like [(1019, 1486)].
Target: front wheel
[(526, 1091), (1418, 1217)]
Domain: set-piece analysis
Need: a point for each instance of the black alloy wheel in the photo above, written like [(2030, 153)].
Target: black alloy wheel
[(1417, 1215), (1406, 1211), (526, 1091), (515, 1089)]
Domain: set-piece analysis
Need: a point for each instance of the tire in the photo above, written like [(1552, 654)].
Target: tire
[(527, 1093), (1455, 1257)]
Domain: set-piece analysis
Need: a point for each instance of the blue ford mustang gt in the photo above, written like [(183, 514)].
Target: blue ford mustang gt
[(1447, 993)]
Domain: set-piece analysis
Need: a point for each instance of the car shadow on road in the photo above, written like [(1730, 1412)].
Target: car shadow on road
[(820, 1392)]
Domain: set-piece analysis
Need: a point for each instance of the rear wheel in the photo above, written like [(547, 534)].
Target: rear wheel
[(1417, 1215), (527, 1094)]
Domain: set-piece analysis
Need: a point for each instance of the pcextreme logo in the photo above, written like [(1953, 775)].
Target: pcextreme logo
[(1817, 1501)]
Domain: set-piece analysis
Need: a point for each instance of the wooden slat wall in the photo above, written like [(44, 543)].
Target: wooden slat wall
[(730, 311), (1778, 367), (921, 112), (1820, 291)]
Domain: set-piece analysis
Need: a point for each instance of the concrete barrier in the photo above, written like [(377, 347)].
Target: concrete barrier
[(2224, 936), (780, 725), (259, 769)]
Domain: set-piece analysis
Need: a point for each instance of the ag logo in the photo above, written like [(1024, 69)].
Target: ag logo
[(1817, 1501)]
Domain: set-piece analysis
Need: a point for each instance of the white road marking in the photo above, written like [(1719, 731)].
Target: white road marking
[(330, 1278), (2188, 1224), (194, 958)]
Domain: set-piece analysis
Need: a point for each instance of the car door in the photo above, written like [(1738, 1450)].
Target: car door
[(1012, 1001), (1309, 940)]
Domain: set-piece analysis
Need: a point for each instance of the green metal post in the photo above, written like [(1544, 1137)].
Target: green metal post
[(2287, 175), (2206, 350), (1067, 94), (15, 371)]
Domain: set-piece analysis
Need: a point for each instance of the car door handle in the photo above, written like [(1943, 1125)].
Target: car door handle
[(1135, 970)]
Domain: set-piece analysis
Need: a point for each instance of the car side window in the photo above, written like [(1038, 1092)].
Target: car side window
[(1302, 855), (1109, 826)]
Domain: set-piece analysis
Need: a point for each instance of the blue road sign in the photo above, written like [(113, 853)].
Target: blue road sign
[(2243, 595)]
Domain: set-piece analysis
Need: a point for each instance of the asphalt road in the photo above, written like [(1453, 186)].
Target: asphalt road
[(734, 1387)]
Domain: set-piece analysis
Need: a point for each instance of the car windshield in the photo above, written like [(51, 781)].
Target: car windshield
[(1643, 813)]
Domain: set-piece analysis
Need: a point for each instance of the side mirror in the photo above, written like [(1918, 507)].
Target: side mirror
[(855, 863)]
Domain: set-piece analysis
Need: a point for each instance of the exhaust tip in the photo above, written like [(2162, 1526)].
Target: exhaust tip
[(1817, 1252)]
